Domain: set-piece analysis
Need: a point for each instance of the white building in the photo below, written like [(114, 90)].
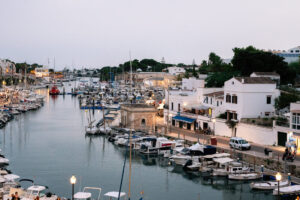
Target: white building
[(192, 83), (188, 108), (41, 72), (249, 97), (176, 70), (291, 55), (7, 67)]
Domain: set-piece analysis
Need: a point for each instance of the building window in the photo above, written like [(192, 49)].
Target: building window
[(179, 107), (228, 98), (143, 122), (210, 100), (267, 114), (235, 116), (205, 100), (296, 121), (269, 99), (172, 106), (234, 99), (217, 103)]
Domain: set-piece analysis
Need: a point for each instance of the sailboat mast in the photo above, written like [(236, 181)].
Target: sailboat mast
[(130, 134), (130, 72)]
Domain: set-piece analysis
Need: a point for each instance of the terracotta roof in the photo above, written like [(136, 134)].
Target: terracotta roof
[(266, 73), (216, 94), (138, 105), (295, 111), (255, 80)]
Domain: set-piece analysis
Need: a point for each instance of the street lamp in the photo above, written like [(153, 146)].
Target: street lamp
[(73, 182), (278, 178)]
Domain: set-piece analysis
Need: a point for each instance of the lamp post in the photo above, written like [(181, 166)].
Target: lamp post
[(278, 179), (73, 182)]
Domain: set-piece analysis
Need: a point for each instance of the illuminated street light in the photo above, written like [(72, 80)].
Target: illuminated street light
[(73, 182), (278, 178)]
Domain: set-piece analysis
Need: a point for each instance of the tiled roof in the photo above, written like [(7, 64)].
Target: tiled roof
[(255, 80), (216, 94), (266, 73)]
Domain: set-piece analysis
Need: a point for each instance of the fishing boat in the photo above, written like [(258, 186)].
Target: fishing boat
[(54, 90), (226, 166), (245, 176), (268, 185)]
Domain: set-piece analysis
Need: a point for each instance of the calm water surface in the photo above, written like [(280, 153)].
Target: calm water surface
[(49, 145)]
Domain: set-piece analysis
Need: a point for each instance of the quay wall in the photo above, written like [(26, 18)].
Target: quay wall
[(252, 133)]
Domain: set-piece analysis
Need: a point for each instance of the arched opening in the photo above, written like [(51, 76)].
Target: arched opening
[(143, 122)]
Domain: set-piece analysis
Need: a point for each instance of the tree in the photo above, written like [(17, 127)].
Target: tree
[(217, 79), (285, 99), (249, 59)]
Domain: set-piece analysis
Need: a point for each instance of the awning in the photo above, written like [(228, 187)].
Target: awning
[(184, 119)]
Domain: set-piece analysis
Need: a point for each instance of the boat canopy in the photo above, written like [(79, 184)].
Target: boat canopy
[(115, 194), (197, 147), (183, 119), (223, 160), (82, 195), (36, 188), (11, 177)]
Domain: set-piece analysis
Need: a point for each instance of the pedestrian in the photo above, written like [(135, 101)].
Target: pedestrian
[(17, 196), (13, 197)]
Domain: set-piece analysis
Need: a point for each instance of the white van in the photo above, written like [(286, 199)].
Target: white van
[(239, 143)]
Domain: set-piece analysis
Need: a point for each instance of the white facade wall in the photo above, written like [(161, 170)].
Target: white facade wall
[(192, 83), (176, 70), (184, 98), (257, 134), (252, 133), (252, 98)]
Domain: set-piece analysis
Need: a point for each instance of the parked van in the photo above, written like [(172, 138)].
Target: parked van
[(239, 143)]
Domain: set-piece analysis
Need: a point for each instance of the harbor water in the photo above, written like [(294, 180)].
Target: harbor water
[(49, 146)]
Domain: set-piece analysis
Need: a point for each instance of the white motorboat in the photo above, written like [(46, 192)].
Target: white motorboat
[(198, 161), (292, 189), (180, 159), (91, 130), (269, 185), (245, 176), (4, 161), (105, 130), (85, 195)]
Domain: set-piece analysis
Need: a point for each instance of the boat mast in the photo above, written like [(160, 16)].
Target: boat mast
[(130, 72), (25, 76), (130, 134)]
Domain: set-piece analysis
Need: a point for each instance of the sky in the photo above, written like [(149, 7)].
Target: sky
[(97, 33)]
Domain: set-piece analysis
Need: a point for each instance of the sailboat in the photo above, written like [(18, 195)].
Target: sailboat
[(91, 129)]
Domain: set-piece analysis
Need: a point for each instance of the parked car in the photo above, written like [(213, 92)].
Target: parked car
[(239, 143)]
